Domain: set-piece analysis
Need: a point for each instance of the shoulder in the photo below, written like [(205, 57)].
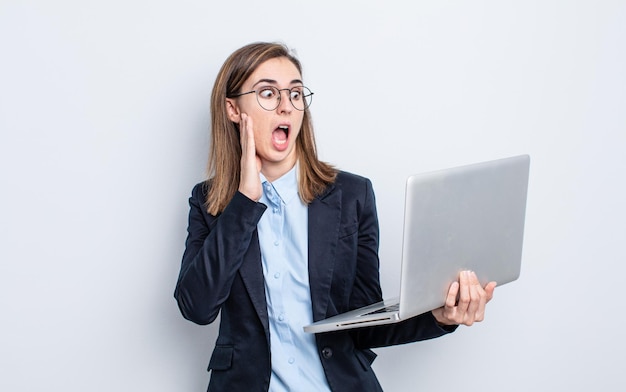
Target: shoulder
[(352, 188), (353, 182), (198, 196), (357, 199), (345, 178), (201, 190)]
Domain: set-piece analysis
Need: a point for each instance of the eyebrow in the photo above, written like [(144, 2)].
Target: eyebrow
[(272, 81)]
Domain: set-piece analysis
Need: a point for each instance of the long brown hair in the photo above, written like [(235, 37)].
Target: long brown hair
[(224, 166)]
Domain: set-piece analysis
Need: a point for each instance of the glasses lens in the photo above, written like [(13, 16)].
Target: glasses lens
[(300, 97), (268, 97)]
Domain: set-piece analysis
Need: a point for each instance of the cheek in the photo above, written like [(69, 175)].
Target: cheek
[(259, 121), (295, 135), (261, 128), (298, 124)]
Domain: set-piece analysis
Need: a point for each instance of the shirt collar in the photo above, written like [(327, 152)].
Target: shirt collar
[(285, 186)]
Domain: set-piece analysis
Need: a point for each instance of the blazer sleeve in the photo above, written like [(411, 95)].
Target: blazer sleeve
[(214, 251), (367, 289)]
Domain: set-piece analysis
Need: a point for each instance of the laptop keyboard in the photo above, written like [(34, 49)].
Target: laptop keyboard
[(390, 308)]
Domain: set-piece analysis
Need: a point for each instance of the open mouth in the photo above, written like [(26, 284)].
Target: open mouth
[(280, 135), (284, 128)]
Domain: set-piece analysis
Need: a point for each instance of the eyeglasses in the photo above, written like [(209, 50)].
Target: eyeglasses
[(269, 97)]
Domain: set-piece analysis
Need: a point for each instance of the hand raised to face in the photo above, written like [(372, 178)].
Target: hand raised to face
[(249, 182)]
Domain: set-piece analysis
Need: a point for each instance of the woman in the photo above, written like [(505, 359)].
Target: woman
[(278, 239)]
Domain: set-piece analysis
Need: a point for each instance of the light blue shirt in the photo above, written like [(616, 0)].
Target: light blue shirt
[(283, 236)]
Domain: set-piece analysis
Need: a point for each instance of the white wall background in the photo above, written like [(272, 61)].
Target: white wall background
[(104, 130)]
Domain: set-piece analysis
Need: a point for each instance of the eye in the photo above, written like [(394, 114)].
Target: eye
[(296, 93), (267, 92)]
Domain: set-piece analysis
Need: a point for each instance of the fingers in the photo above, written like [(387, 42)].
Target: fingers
[(246, 136), (446, 314), (248, 143), (489, 289), (469, 298), (466, 300), (464, 292), (453, 292), (249, 182), (479, 299)]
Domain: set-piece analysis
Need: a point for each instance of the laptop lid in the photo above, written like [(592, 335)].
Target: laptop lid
[(463, 218)]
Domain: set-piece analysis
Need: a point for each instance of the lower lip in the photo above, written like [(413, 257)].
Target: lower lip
[(280, 144)]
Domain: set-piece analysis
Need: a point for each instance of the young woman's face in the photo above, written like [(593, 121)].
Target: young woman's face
[(275, 131)]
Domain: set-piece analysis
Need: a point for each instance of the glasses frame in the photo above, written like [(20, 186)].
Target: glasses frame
[(280, 97)]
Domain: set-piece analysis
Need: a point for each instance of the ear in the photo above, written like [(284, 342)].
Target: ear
[(234, 114)]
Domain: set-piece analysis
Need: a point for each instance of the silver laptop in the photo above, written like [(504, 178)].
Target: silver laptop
[(464, 218)]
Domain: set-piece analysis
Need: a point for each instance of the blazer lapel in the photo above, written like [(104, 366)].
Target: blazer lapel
[(251, 272), (324, 219)]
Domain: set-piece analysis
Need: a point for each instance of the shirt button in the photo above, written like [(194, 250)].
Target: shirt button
[(275, 210), (327, 352), (281, 317), (276, 243), (291, 360), (277, 275)]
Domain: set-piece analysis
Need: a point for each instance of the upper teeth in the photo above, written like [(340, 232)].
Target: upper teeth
[(283, 127)]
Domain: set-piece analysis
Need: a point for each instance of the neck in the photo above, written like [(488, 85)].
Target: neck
[(274, 170)]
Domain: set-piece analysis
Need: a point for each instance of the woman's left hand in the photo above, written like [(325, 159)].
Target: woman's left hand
[(466, 300)]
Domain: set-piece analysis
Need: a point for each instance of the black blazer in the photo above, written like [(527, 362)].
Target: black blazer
[(221, 271)]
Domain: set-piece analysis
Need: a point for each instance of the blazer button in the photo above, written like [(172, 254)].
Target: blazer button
[(327, 352)]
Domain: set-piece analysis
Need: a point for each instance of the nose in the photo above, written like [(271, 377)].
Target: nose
[(284, 104)]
